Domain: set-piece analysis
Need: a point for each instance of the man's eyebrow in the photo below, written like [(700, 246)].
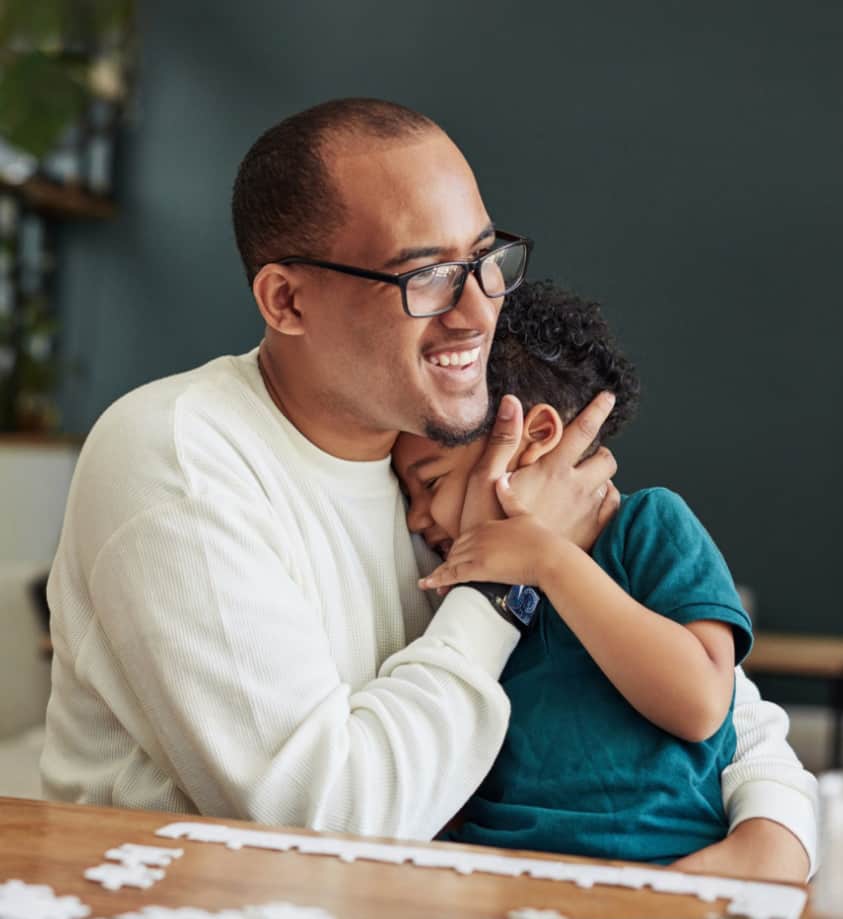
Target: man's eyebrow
[(408, 255)]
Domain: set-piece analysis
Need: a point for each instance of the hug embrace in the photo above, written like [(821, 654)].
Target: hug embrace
[(245, 613)]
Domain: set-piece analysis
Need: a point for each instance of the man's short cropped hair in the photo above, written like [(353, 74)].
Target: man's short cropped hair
[(285, 201), (552, 346)]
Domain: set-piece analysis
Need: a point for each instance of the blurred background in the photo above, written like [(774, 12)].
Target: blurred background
[(679, 162)]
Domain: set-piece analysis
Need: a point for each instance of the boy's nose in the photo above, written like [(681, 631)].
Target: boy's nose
[(418, 517)]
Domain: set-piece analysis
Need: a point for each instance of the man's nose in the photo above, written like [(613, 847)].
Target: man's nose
[(473, 310)]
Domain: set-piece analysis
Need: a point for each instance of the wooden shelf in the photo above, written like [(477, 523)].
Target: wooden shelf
[(34, 439), (789, 654), (62, 200)]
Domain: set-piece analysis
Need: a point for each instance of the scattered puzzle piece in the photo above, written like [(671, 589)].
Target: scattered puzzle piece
[(153, 856), (38, 901), (274, 910), (754, 899), (113, 877), (525, 912)]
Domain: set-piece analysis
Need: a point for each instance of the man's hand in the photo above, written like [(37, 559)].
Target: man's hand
[(481, 503), (573, 499), (758, 849)]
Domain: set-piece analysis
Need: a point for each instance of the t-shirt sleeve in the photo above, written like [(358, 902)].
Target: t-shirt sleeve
[(673, 566)]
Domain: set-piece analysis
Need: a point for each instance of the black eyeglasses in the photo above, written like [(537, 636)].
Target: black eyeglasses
[(435, 289)]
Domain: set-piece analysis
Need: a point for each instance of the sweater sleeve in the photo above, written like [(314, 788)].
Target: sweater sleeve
[(236, 676), (765, 778)]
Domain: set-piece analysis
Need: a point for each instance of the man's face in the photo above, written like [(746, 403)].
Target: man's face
[(435, 479), (409, 204)]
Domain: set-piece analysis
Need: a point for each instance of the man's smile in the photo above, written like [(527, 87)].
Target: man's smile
[(457, 365), (455, 359)]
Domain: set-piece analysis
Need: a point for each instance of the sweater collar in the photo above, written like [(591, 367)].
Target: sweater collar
[(369, 477)]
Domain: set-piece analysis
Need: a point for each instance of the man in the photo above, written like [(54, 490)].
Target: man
[(236, 621)]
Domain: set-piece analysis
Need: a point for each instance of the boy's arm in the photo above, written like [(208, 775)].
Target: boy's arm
[(679, 677)]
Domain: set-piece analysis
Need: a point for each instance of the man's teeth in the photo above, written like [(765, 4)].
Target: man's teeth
[(455, 358)]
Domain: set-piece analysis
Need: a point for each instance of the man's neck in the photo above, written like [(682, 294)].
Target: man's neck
[(328, 433)]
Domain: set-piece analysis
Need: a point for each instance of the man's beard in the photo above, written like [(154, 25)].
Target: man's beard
[(458, 437)]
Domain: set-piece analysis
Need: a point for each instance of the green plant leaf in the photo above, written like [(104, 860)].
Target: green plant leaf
[(39, 98), (32, 24)]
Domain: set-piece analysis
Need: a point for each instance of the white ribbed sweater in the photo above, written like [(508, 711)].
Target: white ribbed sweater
[(238, 632)]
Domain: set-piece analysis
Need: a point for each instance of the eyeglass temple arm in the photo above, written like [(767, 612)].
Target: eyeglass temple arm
[(343, 269)]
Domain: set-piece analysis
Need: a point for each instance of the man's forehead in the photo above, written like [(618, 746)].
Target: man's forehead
[(408, 196)]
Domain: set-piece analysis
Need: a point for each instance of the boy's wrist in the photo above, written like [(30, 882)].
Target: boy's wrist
[(551, 561), (517, 604)]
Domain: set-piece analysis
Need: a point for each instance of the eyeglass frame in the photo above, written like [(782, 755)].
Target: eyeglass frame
[(471, 266)]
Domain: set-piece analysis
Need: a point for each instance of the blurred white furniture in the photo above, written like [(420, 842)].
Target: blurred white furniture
[(808, 656), (35, 477), (24, 669), (24, 681)]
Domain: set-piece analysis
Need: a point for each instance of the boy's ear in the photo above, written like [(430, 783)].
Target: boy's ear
[(542, 432), (275, 295)]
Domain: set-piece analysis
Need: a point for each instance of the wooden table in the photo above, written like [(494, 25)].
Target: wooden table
[(46, 843), (813, 656)]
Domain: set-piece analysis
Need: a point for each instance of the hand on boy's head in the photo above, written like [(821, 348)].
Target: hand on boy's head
[(609, 507), (571, 497), (481, 503)]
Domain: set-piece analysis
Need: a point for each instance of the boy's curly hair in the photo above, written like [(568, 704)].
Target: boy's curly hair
[(552, 346)]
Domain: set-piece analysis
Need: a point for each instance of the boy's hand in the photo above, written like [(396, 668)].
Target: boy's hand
[(758, 848), (573, 499), (507, 551)]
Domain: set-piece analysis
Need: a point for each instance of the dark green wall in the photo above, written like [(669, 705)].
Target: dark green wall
[(682, 162)]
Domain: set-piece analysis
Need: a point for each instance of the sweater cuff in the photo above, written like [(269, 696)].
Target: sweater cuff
[(468, 623), (787, 806)]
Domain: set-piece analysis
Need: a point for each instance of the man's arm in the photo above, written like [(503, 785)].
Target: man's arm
[(226, 678), (770, 800), (766, 778)]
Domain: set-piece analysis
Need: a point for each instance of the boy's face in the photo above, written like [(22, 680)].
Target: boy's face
[(434, 479)]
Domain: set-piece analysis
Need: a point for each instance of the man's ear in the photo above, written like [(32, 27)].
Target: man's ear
[(274, 292), (542, 432)]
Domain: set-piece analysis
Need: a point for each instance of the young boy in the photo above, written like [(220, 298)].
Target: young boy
[(622, 692)]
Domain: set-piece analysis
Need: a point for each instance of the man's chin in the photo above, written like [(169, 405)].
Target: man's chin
[(451, 435), (455, 422)]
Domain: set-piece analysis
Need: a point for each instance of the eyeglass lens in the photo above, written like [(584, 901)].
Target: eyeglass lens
[(438, 288)]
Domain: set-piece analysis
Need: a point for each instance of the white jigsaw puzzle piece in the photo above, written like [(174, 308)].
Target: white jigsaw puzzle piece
[(38, 901), (525, 912), (274, 910), (753, 899), (113, 876), (767, 901), (153, 856)]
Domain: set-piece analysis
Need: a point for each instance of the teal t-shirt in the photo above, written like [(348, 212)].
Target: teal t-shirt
[(580, 771)]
